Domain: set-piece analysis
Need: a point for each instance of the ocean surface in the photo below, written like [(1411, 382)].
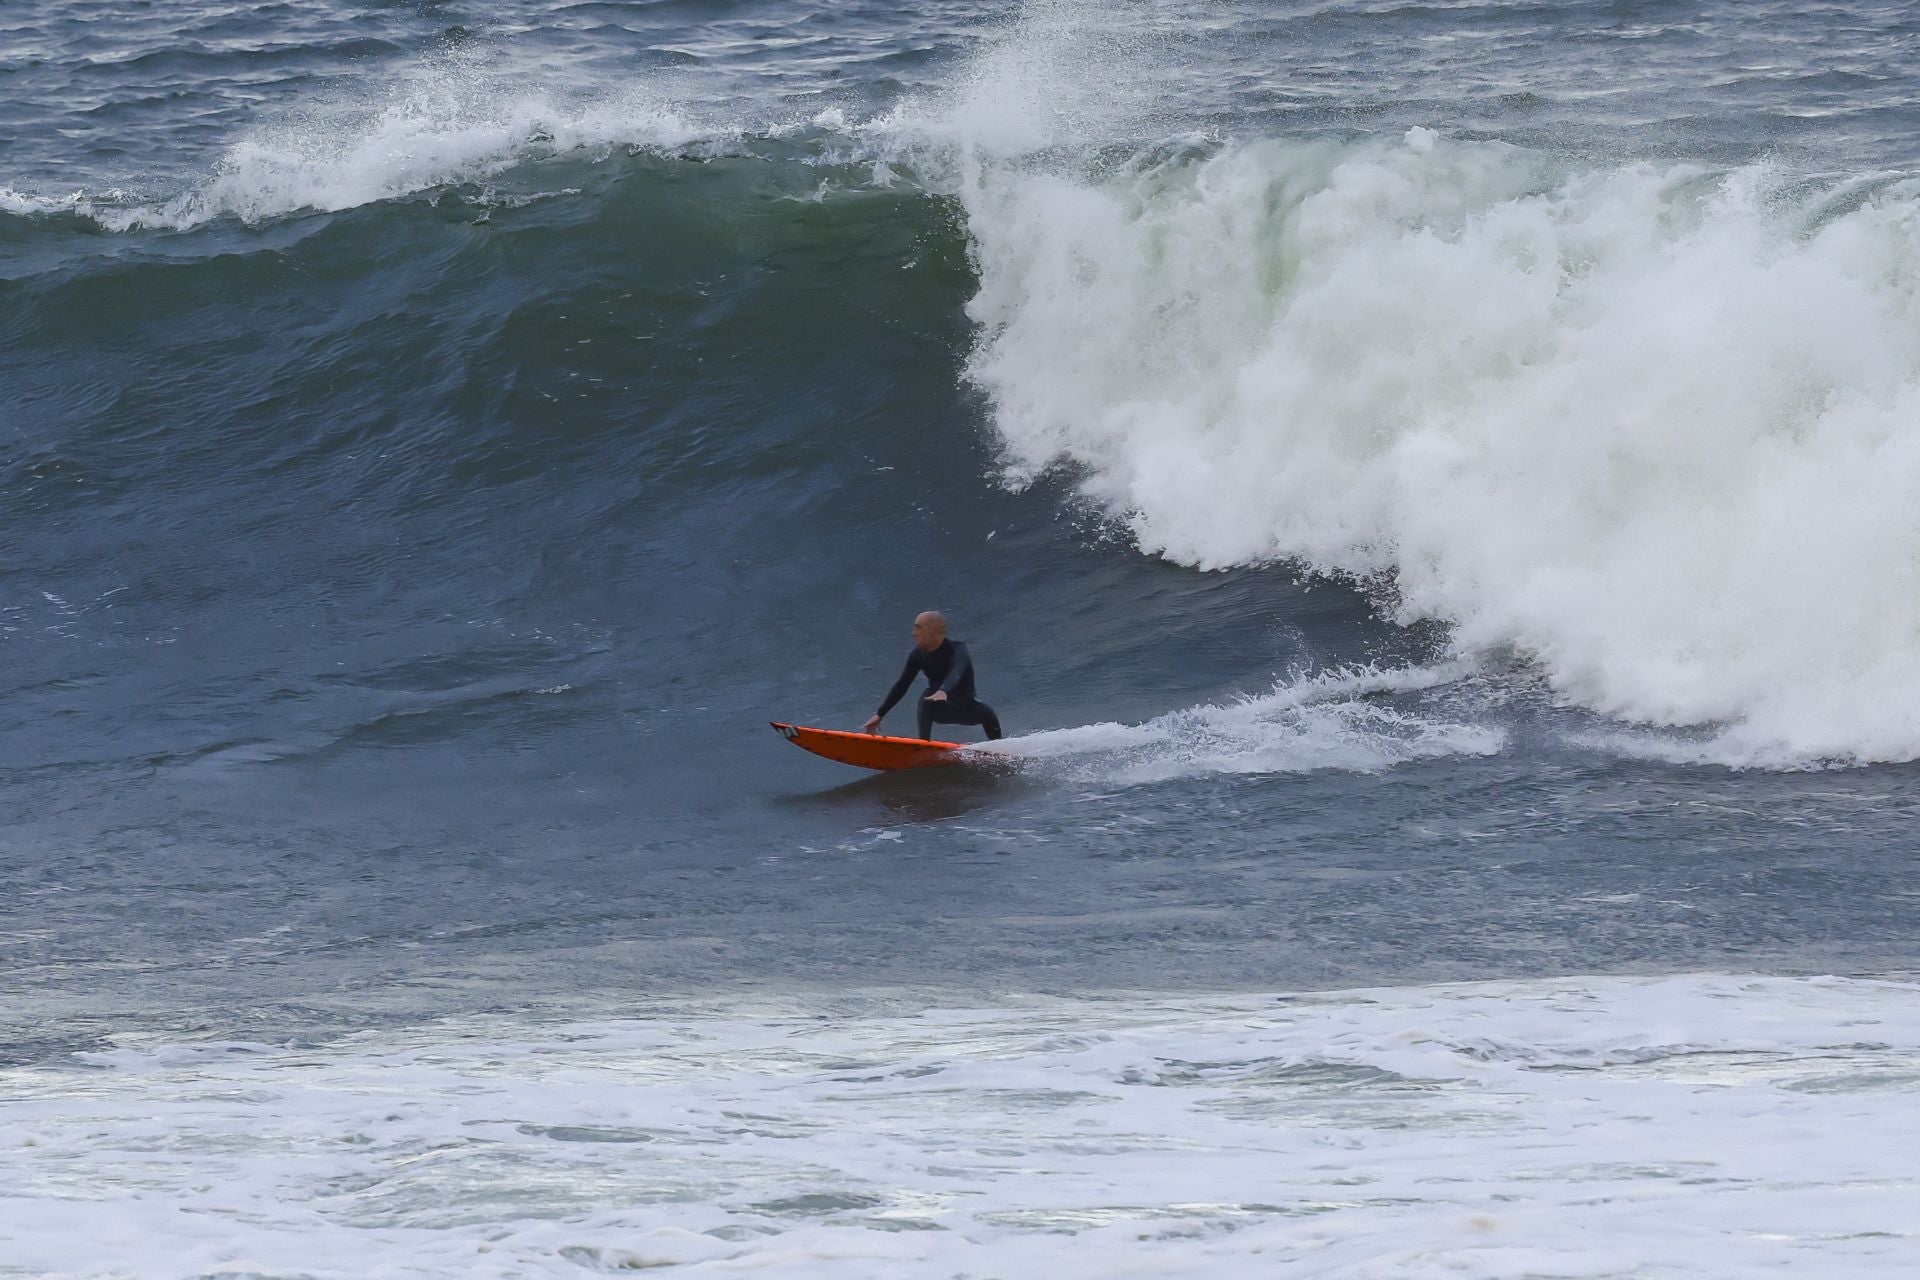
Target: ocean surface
[(1432, 489)]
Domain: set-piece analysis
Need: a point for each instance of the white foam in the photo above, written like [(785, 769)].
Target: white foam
[(1651, 426), (1718, 1128), (1332, 720), (27, 204), (448, 119), (21, 202), (1058, 74)]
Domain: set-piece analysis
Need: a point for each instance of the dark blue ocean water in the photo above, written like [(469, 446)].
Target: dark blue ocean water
[(1429, 487)]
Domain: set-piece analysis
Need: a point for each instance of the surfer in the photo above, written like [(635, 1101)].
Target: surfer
[(949, 672)]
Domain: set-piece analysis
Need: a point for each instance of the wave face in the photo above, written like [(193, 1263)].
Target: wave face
[(1641, 424), (1381, 483)]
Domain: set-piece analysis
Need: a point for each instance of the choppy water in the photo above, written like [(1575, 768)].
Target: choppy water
[(1430, 489), (1600, 1127)]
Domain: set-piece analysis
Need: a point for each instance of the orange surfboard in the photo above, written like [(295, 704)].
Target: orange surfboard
[(870, 750)]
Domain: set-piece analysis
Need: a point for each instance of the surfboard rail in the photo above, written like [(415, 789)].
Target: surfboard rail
[(870, 750)]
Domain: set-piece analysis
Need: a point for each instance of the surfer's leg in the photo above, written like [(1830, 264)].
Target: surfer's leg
[(973, 711), (950, 712)]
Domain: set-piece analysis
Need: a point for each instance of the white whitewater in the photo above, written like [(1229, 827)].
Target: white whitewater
[(1651, 427), (1700, 1126)]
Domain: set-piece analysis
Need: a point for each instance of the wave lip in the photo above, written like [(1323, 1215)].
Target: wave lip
[(1650, 426), (453, 120)]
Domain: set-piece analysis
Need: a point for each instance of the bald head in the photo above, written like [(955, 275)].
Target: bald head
[(929, 630)]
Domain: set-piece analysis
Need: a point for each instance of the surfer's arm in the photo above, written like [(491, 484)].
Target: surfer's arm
[(962, 663), (899, 689)]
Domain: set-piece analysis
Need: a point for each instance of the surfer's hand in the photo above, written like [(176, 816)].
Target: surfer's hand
[(873, 722), (937, 696)]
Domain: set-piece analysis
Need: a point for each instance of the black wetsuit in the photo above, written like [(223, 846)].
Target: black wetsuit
[(947, 668)]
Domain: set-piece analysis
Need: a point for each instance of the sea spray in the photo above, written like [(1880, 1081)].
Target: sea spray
[(1359, 719)]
